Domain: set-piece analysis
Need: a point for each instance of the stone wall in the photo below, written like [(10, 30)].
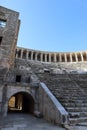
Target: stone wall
[(9, 26)]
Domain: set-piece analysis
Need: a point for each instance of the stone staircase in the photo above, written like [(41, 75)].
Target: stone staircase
[(69, 90)]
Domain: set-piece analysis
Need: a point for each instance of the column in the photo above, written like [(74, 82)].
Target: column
[(4, 105), (27, 55), (41, 56), (49, 57), (70, 57), (4, 109), (65, 57), (76, 57), (36, 56), (21, 53), (81, 56), (59, 57), (45, 57), (55, 57), (32, 55)]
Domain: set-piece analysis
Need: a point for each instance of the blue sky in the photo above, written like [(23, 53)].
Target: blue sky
[(51, 25)]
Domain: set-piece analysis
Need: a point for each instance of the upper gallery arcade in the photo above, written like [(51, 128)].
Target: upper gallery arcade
[(45, 56)]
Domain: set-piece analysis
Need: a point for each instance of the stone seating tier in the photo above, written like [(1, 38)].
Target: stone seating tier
[(70, 94)]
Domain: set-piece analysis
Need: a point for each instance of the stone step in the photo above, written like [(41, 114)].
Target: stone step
[(76, 109), (73, 99), (65, 92), (69, 104), (77, 114), (77, 120), (75, 104)]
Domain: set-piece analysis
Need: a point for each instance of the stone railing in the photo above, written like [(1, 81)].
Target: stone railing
[(45, 56), (50, 107)]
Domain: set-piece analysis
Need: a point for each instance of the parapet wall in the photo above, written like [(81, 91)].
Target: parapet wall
[(44, 56)]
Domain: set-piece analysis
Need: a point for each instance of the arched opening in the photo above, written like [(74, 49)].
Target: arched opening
[(21, 102), (57, 57), (79, 56), (47, 57), (52, 58), (24, 54), (34, 54), (73, 58), (84, 56), (44, 57), (19, 53), (68, 57), (63, 58), (15, 52), (29, 55), (38, 56)]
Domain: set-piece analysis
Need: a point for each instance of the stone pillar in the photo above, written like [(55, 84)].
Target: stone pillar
[(41, 57), (59, 57), (55, 57), (36, 56), (4, 109), (4, 105), (65, 57), (32, 55), (21, 53), (81, 56), (45, 57), (49, 57), (70, 57), (36, 96), (76, 57), (27, 55)]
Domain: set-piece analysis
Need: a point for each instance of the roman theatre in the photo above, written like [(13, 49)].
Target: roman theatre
[(49, 85)]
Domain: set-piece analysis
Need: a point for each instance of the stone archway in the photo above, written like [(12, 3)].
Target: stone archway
[(21, 102)]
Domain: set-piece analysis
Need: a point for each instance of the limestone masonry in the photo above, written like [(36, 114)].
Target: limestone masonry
[(51, 85)]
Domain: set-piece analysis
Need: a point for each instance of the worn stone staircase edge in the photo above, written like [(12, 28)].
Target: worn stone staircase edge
[(59, 114)]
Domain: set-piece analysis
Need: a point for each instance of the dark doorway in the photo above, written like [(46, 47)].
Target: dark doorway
[(18, 78), (0, 40), (21, 103)]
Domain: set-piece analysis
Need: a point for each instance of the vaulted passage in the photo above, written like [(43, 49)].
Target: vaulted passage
[(21, 103)]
